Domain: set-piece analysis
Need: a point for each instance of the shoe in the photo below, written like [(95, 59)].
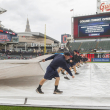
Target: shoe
[(57, 92), (62, 73), (76, 73), (66, 77), (39, 91)]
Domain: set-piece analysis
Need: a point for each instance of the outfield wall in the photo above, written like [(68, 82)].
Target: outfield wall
[(98, 57)]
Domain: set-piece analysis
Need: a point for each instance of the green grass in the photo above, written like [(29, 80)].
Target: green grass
[(32, 108)]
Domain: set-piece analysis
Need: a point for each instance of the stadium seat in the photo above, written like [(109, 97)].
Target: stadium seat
[(74, 45), (103, 45), (88, 46)]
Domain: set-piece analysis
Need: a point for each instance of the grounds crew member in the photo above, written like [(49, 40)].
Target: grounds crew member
[(52, 72), (79, 60), (75, 61), (72, 64)]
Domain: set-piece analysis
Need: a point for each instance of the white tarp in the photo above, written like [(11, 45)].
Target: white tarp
[(89, 89)]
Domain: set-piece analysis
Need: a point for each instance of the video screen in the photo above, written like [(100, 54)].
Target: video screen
[(93, 26)]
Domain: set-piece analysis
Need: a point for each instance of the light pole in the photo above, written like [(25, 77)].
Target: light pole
[(72, 25), (45, 41)]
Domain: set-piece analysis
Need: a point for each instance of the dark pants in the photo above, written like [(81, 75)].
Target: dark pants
[(71, 64), (50, 73)]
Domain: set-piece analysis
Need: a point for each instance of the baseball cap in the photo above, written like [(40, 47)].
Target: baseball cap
[(67, 53), (75, 50)]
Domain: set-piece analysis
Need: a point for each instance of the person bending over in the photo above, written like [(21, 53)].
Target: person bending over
[(53, 71)]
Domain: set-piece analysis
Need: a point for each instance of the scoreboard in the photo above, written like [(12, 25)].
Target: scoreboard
[(93, 26)]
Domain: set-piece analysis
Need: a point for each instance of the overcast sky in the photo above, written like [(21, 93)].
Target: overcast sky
[(54, 13)]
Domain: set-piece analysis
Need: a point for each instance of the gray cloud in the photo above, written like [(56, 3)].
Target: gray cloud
[(54, 13)]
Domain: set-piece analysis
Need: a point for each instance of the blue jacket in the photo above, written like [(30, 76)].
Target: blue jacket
[(58, 61)]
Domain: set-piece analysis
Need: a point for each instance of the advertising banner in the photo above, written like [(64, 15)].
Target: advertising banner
[(64, 38), (89, 59), (103, 6), (101, 60), (5, 37)]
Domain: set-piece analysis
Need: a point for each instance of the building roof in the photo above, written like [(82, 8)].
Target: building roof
[(2, 10), (37, 34)]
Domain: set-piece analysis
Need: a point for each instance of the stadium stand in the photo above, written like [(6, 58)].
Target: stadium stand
[(16, 56), (89, 46), (103, 45), (75, 45)]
